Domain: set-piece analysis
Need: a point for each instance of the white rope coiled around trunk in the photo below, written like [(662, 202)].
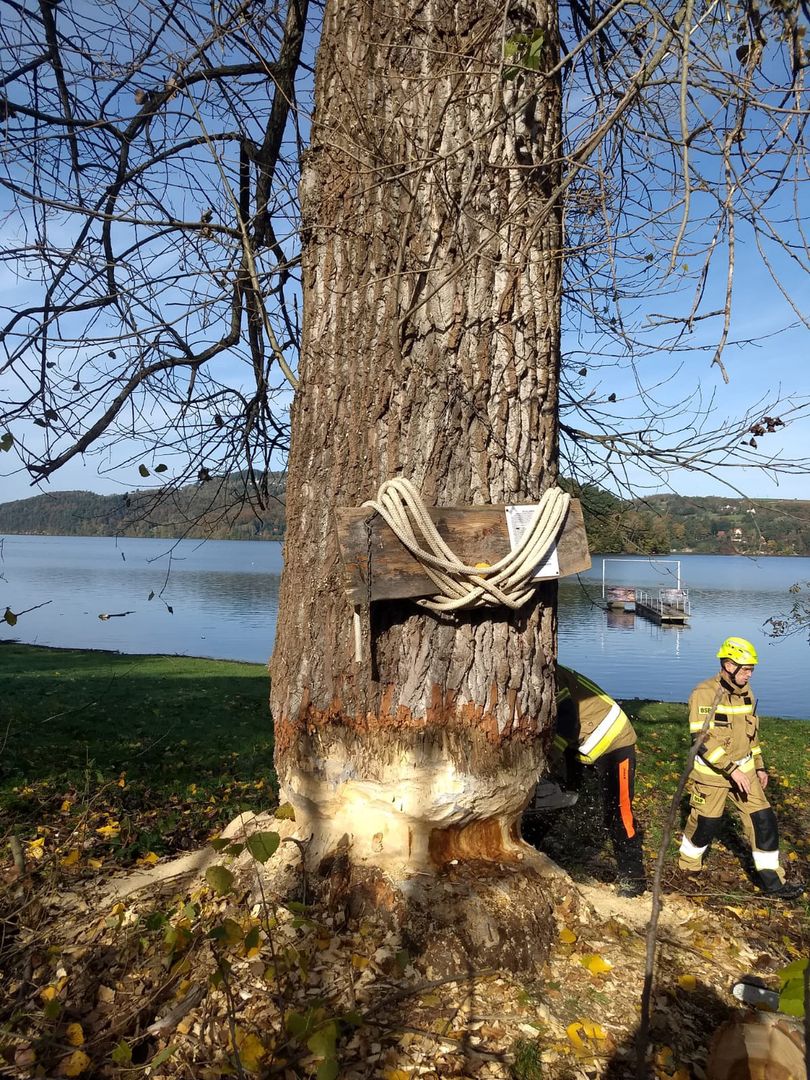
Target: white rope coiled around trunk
[(507, 583)]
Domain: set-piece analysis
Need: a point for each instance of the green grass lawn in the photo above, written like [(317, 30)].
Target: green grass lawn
[(121, 756), (166, 748)]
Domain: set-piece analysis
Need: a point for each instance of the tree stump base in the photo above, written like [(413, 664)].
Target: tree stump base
[(468, 918), (759, 1046)]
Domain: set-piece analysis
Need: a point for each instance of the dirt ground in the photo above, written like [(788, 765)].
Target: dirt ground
[(209, 975)]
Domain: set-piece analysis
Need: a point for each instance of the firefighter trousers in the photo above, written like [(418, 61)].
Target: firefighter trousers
[(616, 770), (706, 805)]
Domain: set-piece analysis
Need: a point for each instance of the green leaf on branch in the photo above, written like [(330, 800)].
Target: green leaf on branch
[(161, 467), (10, 617), (301, 1025), (262, 845), (122, 1054), (164, 1055), (6, 441), (322, 1042), (229, 932), (791, 997), (328, 1070), (220, 879), (142, 469), (524, 52)]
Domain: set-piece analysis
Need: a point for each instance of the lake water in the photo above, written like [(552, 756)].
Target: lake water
[(224, 600)]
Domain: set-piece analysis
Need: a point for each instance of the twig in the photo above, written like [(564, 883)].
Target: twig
[(173, 1017), (652, 930), (17, 852), (302, 846)]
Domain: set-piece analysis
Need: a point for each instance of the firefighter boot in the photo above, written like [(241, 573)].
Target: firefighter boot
[(781, 890), (764, 835)]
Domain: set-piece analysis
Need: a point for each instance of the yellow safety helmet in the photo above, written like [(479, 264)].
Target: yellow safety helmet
[(738, 650)]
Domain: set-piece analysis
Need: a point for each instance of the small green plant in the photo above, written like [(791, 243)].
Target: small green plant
[(527, 1064)]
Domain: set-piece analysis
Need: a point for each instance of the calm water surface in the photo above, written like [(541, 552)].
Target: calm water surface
[(224, 600)]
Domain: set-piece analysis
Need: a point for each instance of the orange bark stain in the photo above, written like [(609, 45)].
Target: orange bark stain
[(386, 701), (444, 712)]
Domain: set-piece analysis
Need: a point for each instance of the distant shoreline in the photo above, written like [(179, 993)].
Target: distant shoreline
[(658, 524), (280, 540)]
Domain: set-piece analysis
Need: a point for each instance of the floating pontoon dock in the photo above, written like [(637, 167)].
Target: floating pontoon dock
[(664, 606)]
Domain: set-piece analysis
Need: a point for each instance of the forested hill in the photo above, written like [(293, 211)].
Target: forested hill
[(213, 510), (709, 525), (658, 524)]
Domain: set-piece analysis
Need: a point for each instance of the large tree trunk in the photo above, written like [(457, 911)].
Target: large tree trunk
[(431, 276)]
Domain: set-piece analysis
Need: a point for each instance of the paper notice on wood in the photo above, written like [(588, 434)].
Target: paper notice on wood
[(518, 519)]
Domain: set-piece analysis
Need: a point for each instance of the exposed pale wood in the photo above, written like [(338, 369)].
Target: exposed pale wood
[(474, 533), (766, 1045)]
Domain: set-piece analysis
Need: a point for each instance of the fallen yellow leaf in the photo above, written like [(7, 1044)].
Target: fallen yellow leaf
[(359, 962), (48, 993), (71, 859), (572, 1031), (110, 830), (596, 964), (65, 807), (664, 1057), (36, 848), (593, 1030), (95, 864), (149, 859), (75, 1064), (567, 937), (687, 982), (396, 1074), (75, 1035), (250, 1050)]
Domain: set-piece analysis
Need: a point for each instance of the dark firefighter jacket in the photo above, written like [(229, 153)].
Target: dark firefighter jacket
[(588, 718)]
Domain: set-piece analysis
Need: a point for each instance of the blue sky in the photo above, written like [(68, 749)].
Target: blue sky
[(771, 365)]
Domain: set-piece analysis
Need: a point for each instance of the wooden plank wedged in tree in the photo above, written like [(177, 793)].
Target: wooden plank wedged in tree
[(475, 533)]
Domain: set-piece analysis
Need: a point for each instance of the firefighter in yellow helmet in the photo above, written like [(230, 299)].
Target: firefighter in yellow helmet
[(593, 729), (729, 765)]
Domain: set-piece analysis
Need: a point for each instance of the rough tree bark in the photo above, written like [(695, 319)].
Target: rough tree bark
[(432, 242)]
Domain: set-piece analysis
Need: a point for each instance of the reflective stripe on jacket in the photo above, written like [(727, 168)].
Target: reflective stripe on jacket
[(588, 718), (732, 739)]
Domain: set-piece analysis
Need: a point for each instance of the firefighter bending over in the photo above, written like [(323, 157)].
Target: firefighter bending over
[(729, 764), (592, 729)]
